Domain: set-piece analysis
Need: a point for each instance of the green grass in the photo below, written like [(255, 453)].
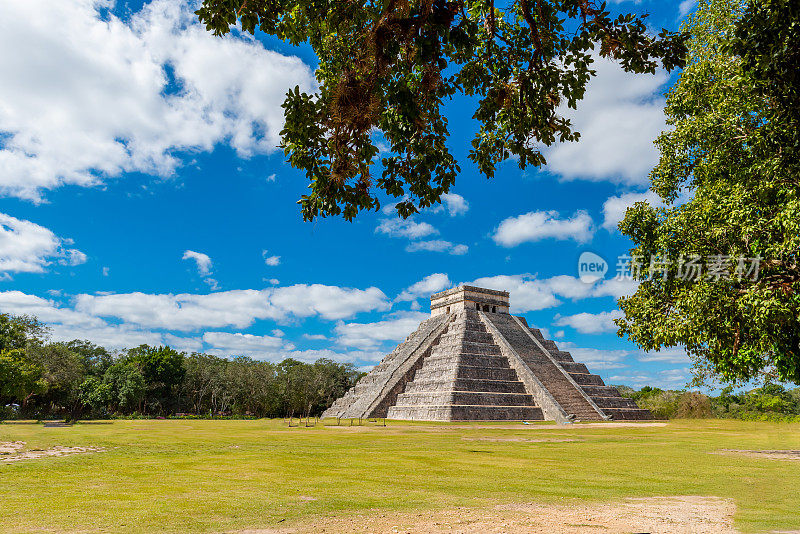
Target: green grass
[(211, 476)]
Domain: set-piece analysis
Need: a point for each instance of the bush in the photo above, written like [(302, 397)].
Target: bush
[(662, 404), (693, 405)]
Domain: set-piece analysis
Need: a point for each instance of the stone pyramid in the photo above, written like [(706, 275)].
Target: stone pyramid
[(472, 360)]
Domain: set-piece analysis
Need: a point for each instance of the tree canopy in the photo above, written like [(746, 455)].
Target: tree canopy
[(733, 151), (386, 68), (78, 378)]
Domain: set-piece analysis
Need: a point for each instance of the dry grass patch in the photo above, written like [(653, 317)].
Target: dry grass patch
[(14, 451), (769, 454)]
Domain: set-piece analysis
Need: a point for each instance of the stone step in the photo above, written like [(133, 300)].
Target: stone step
[(630, 414), (549, 345), (587, 379), (562, 356), (469, 371), (471, 398), (601, 391), (614, 402), (466, 347), (467, 335), (574, 367), (466, 413), (468, 325), (445, 361), (462, 384)]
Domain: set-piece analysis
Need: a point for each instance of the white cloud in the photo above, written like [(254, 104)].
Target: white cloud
[(432, 283), (186, 344), (686, 6), (87, 95), (67, 324), (73, 257), (28, 248), (237, 308), (590, 323), (202, 260), (314, 337), (395, 227), (666, 355), (371, 335), (237, 344), (615, 207), (438, 245), (538, 225), (87, 322), (454, 204), (272, 261), (529, 293), (19, 303), (619, 119)]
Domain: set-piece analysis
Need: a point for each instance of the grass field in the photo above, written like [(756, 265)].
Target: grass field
[(212, 476)]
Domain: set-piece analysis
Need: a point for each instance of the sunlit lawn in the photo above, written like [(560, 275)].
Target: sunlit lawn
[(211, 476)]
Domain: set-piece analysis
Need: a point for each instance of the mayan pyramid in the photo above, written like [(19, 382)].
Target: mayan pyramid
[(472, 360)]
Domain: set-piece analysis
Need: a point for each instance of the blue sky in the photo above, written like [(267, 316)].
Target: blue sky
[(142, 200)]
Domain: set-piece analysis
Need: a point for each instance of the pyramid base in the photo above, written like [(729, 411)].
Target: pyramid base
[(466, 413)]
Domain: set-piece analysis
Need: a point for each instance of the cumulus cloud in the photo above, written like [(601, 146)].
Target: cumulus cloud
[(619, 119), (529, 293), (29, 248), (407, 228), (202, 260), (272, 261), (438, 245), (228, 344), (237, 308), (454, 204), (590, 323), (615, 287), (433, 283), (371, 335), (87, 95), (666, 355), (615, 207), (538, 225)]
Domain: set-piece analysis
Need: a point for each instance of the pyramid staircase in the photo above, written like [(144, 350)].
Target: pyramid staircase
[(464, 378), (473, 361)]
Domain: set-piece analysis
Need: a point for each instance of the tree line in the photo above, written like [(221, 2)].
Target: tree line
[(79, 379), (770, 402)]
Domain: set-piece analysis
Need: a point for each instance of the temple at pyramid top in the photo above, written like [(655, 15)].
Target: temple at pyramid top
[(473, 360), (469, 297)]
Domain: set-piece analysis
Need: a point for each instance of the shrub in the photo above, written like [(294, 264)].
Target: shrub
[(693, 405)]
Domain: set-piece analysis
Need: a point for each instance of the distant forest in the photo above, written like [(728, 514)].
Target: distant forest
[(78, 379)]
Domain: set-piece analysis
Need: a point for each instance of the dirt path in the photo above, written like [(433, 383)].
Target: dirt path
[(680, 514)]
